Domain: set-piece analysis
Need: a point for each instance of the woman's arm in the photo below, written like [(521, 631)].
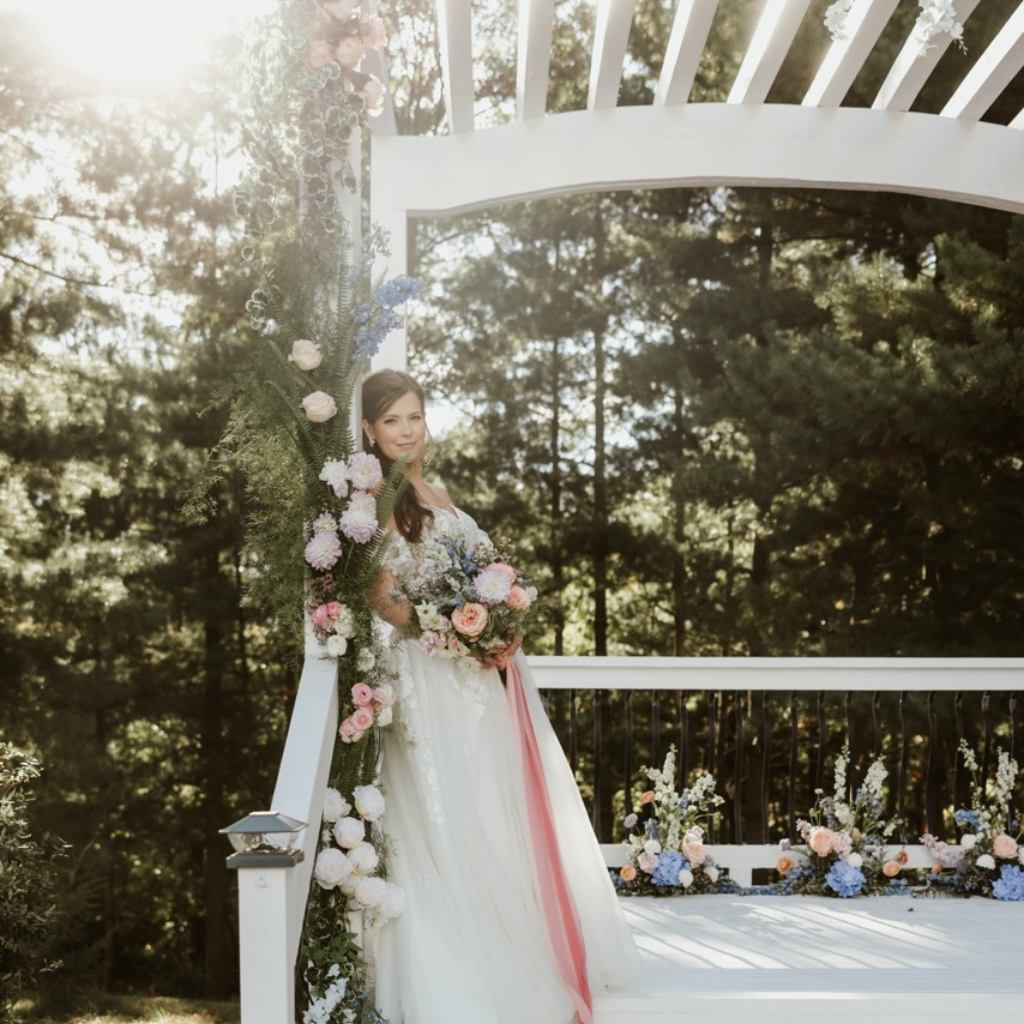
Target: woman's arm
[(386, 602)]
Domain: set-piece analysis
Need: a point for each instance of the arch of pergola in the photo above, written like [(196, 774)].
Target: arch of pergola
[(819, 142)]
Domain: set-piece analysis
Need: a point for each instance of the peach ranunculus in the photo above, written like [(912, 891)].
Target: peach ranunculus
[(891, 868), (647, 797), (371, 31), (306, 354), (362, 695), (694, 853), (349, 52), (362, 719), (506, 570), (820, 841), (518, 598), (628, 873), (373, 92), (783, 864), (470, 620), (319, 406), (1004, 846), (348, 731)]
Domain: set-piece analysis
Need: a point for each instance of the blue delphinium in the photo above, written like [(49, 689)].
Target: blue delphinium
[(844, 880), (651, 828), (670, 863), (1009, 885), (965, 817)]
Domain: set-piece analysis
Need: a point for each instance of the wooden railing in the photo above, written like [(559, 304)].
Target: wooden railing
[(742, 718)]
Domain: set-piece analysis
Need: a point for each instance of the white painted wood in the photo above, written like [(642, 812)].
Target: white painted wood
[(772, 38), (786, 674), (611, 36), (685, 46), (536, 21), (911, 68), (266, 960), (804, 959), (993, 71), (387, 214), (302, 779), (455, 35), (1018, 121), (846, 57), (703, 144)]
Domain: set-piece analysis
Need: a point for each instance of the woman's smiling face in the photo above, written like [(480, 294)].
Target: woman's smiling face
[(401, 429)]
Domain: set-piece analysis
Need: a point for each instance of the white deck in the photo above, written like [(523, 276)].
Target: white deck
[(768, 959)]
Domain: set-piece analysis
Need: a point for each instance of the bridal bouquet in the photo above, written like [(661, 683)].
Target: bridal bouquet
[(666, 845), (466, 601), (844, 842), (990, 855)]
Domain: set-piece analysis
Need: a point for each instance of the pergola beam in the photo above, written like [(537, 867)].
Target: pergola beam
[(611, 36), (536, 22), (846, 57), (455, 35), (912, 68), (1003, 58), (686, 43), (773, 37)]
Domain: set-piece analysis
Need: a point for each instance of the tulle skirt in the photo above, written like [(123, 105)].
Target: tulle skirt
[(472, 946)]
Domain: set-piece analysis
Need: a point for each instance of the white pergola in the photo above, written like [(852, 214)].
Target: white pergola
[(674, 142)]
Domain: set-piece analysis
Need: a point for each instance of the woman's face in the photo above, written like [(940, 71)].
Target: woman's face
[(401, 429)]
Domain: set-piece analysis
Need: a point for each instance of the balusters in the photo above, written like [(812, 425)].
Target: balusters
[(598, 796), (766, 761), (628, 766), (849, 723), (958, 715), (712, 717), (656, 729), (931, 767), (901, 806), (737, 805), (574, 758), (819, 770), (684, 732), (876, 720), (794, 750), (986, 718), (1013, 725)]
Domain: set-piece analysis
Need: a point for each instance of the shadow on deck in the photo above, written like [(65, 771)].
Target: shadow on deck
[(768, 959)]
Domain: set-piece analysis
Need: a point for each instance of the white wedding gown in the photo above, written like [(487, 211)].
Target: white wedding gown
[(472, 945)]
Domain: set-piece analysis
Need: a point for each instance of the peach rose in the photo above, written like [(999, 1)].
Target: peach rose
[(901, 858), (647, 797), (349, 52), (1004, 846), (518, 598), (628, 873), (373, 93), (371, 31), (470, 620), (319, 406), (783, 864), (820, 841), (891, 868), (306, 354), (694, 853)]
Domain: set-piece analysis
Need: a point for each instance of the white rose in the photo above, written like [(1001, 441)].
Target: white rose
[(712, 873), (855, 860), (348, 887), (394, 901), (685, 878), (369, 802), (652, 846), (335, 806), (306, 355), (336, 646), (319, 406), (363, 857), (365, 660), (384, 694), (332, 867), (986, 861), (370, 891), (349, 832), (968, 841), (385, 715)]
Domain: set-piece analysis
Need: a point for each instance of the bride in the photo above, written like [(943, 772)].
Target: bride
[(510, 915)]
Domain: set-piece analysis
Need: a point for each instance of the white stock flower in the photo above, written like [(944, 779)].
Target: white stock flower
[(335, 806), (349, 832), (855, 860), (332, 867), (968, 840), (363, 857), (369, 802)]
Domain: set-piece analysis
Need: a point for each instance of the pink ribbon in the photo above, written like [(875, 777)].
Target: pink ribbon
[(559, 909)]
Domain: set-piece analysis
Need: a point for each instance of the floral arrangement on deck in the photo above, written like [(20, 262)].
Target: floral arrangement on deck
[(665, 847), (843, 851), (466, 601), (990, 856), (936, 17)]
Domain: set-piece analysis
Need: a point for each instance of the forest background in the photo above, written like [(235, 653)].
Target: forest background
[(713, 422)]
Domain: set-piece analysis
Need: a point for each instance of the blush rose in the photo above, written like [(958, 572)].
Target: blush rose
[(470, 620)]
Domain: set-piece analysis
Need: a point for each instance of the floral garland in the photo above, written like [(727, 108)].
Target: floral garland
[(990, 856), (666, 842), (936, 17), (844, 843)]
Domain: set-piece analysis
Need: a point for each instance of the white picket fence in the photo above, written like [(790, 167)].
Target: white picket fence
[(272, 901)]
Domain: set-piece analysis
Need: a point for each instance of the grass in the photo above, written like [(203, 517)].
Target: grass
[(103, 1008)]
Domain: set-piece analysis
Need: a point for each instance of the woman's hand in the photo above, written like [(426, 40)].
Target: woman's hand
[(501, 654)]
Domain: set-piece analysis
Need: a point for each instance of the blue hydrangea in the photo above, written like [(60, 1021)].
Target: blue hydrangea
[(844, 880), (965, 817), (670, 863), (651, 828), (1010, 884)]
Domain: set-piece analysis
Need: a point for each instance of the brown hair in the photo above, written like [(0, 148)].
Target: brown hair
[(380, 391)]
